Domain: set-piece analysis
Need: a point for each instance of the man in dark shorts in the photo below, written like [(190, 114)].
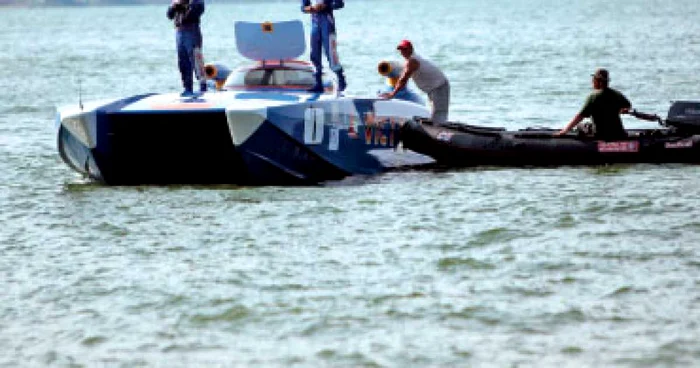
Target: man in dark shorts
[(604, 105)]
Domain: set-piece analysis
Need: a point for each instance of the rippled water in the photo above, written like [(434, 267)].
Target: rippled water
[(593, 266)]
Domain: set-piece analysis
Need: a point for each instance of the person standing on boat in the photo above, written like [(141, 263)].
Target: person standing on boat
[(186, 15), (428, 78), (604, 105), (323, 37)]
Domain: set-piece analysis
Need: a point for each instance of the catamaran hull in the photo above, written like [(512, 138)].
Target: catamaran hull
[(321, 141), (289, 140), (127, 148)]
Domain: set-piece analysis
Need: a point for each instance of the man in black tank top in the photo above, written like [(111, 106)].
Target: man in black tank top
[(604, 106)]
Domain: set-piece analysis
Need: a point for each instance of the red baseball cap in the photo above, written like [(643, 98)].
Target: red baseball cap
[(404, 44)]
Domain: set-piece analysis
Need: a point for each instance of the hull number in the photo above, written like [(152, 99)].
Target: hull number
[(313, 126)]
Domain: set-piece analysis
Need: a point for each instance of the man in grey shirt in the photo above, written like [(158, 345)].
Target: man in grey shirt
[(428, 78)]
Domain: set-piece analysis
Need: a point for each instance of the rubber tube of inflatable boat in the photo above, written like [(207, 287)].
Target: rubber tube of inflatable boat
[(218, 73)]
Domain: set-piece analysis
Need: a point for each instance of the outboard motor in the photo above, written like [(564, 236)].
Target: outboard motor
[(684, 116), (218, 73), (392, 70)]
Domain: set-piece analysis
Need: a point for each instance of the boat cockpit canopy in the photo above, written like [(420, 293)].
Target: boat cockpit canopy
[(288, 75)]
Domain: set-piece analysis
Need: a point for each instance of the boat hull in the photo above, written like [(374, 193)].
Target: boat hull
[(236, 138), (77, 155), (121, 147), (462, 145), (320, 141), (169, 148)]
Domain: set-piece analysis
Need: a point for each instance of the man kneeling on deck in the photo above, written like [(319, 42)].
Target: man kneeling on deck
[(428, 78), (604, 105)]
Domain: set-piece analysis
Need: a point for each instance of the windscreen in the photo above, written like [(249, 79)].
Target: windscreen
[(272, 78)]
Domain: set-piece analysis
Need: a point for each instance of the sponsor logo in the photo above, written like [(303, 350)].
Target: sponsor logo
[(334, 139), (368, 135), (685, 143), (352, 129), (692, 111), (335, 59), (618, 147), (444, 136), (267, 27), (199, 65), (393, 122), (336, 121), (370, 118)]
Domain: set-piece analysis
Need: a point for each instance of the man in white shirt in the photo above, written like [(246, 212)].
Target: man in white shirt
[(428, 78)]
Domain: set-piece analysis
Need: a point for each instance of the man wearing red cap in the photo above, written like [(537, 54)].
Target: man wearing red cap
[(428, 78)]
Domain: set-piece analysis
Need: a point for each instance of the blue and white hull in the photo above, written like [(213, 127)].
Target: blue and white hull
[(117, 144), (235, 137), (326, 139)]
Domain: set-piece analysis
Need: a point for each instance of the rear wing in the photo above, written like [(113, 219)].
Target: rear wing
[(274, 41)]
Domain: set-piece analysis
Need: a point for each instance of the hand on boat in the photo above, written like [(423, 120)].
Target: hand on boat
[(645, 116), (386, 95)]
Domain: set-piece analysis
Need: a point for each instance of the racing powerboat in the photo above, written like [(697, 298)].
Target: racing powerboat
[(259, 126), (675, 140)]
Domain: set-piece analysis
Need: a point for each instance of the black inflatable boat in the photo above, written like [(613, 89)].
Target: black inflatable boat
[(676, 140)]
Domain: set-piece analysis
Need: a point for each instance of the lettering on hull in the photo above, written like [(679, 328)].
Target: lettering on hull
[(618, 147), (685, 143), (313, 126)]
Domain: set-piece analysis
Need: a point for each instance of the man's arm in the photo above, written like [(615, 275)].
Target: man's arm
[(410, 68), (645, 116), (626, 104), (305, 6), (577, 119), (585, 112), (194, 12), (172, 9)]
